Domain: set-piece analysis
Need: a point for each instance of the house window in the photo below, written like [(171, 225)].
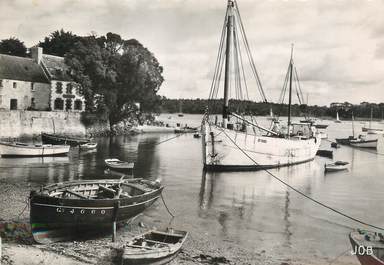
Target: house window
[(68, 104), (78, 104), (13, 104), (69, 88), (14, 85), (59, 104), (32, 86), (33, 104), (59, 88), (78, 90)]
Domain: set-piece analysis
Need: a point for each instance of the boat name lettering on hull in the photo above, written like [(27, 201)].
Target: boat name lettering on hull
[(362, 250), (81, 211)]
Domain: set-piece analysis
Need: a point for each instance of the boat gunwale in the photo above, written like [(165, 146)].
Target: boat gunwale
[(355, 243), (41, 194), (31, 146)]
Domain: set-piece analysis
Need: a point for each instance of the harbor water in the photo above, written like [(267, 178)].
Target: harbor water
[(250, 211)]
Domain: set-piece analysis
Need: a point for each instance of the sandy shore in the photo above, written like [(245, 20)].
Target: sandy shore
[(200, 248)]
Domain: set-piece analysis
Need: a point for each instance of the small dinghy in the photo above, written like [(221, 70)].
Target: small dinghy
[(364, 143), (368, 247), (8, 149), (58, 139), (337, 166), (154, 247), (118, 165), (196, 135), (88, 146), (87, 208)]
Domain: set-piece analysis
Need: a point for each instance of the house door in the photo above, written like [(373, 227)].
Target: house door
[(13, 104)]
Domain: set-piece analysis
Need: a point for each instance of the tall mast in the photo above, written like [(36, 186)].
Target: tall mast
[(290, 91), (353, 126), (370, 121), (228, 61)]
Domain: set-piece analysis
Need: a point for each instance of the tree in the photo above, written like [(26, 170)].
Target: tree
[(13, 46), (115, 73), (59, 42)]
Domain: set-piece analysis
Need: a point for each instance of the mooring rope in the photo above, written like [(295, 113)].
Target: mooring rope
[(176, 136), (166, 206), (301, 193)]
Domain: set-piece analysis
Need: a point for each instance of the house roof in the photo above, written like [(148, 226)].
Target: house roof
[(56, 67), (21, 68)]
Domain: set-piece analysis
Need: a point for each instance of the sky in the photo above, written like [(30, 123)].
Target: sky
[(338, 44)]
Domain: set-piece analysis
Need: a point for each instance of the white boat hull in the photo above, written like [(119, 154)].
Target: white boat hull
[(10, 149), (334, 168), (375, 131), (364, 144), (260, 152), (154, 129)]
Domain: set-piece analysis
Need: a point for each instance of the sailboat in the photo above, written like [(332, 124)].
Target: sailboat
[(337, 118), (361, 141), (371, 130), (271, 117), (239, 143), (180, 114)]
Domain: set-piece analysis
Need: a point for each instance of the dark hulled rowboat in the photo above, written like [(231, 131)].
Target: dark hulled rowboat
[(62, 139), (368, 247), (345, 141), (69, 210), (154, 247), (321, 126)]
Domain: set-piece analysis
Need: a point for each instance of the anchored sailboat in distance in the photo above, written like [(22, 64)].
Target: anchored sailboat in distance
[(238, 143), (337, 117)]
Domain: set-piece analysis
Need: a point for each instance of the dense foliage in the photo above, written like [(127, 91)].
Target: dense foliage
[(13, 46), (198, 106), (59, 42), (115, 74)]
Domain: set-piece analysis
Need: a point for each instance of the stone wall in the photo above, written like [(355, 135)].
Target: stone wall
[(19, 123), (23, 92)]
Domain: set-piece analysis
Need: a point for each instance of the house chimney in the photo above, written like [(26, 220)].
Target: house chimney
[(37, 54)]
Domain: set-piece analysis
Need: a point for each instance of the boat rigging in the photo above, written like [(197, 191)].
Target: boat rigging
[(270, 147)]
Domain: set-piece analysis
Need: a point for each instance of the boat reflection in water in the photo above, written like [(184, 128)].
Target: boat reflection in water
[(255, 202)]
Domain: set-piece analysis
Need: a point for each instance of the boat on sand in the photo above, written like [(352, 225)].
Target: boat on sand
[(86, 208), (154, 247)]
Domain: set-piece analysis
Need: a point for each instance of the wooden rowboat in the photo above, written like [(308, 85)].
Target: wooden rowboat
[(118, 165), (63, 139), (88, 146), (362, 143), (345, 141), (337, 166), (368, 247), (154, 247), (80, 209), (8, 149)]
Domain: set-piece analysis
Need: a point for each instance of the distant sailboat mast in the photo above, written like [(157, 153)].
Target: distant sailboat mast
[(353, 126), (290, 93), (370, 121)]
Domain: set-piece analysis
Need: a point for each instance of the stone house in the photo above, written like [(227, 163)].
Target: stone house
[(38, 83)]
